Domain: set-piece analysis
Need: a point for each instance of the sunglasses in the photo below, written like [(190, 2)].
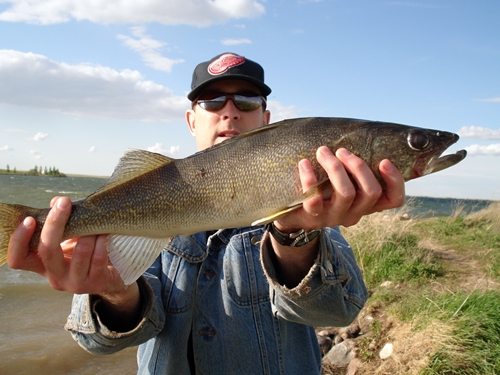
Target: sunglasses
[(213, 101)]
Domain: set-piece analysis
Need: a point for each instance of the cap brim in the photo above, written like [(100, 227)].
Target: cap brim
[(263, 88)]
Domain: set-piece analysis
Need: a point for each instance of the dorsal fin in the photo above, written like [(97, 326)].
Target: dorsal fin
[(239, 136), (132, 164)]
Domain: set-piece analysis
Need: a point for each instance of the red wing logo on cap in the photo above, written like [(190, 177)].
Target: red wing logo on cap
[(224, 62)]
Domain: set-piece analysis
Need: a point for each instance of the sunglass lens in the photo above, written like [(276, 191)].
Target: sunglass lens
[(212, 104), (247, 103), (243, 103)]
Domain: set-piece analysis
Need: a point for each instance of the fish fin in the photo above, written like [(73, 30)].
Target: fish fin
[(276, 215), (132, 164), (11, 215), (237, 137), (317, 189), (132, 255)]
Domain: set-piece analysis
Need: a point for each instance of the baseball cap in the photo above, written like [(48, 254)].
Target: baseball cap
[(227, 66)]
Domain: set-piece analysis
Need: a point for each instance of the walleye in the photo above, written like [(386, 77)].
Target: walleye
[(250, 179)]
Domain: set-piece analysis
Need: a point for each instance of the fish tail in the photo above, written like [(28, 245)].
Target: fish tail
[(11, 215)]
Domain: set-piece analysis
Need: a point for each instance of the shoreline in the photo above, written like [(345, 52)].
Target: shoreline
[(24, 173)]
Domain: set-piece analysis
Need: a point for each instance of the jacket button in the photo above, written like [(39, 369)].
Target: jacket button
[(255, 240)]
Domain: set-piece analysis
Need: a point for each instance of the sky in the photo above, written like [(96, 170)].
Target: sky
[(82, 82)]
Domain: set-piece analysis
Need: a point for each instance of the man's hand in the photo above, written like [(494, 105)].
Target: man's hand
[(348, 202), (78, 265)]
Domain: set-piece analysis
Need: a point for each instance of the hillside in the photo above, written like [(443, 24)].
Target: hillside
[(434, 304)]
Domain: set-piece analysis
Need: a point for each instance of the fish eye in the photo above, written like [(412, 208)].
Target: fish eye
[(418, 139)]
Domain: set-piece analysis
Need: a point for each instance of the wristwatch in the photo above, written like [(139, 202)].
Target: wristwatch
[(295, 239)]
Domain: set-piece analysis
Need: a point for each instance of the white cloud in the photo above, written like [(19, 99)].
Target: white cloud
[(92, 149), (6, 148), (31, 80), (159, 149), (149, 49), (173, 12), (39, 137), (493, 149), (478, 132), (280, 112), (490, 100), (234, 42), (174, 150), (36, 154)]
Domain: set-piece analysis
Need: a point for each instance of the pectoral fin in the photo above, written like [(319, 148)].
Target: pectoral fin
[(132, 256), (321, 188)]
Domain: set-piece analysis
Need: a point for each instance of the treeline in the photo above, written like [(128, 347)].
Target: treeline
[(37, 171)]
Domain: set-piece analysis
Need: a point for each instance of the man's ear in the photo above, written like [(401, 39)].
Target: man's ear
[(190, 120), (266, 117)]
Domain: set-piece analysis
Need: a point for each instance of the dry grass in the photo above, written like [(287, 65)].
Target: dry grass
[(436, 321), (412, 349)]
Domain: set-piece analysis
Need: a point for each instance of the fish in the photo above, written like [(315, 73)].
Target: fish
[(250, 179)]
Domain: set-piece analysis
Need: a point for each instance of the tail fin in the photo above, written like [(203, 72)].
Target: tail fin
[(11, 215)]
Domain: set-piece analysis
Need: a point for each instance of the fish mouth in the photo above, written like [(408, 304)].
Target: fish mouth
[(438, 162)]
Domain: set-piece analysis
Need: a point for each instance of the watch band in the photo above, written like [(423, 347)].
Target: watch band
[(295, 239)]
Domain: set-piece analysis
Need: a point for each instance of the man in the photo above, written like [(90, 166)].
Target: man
[(235, 301)]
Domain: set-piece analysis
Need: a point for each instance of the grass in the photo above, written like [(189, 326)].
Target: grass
[(445, 320), (474, 345), (476, 236), (387, 249)]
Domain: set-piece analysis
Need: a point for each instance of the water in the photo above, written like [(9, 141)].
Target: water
[(32, 337)]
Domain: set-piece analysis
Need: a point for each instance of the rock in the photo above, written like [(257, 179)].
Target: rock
[(369, 319), (404, 217), (366, 323), (325, 344), (341, 354), (353, 366), (386, 351), (338, 339), (324, 333), (349, 332), (353, 331), (372, 345)]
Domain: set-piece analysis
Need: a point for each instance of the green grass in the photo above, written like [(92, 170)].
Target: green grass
[(476, 236), (427, 293), (399, 259), (387, 249), (474, 346)]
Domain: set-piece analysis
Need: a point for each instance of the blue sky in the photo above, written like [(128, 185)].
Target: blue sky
[(81, 82)]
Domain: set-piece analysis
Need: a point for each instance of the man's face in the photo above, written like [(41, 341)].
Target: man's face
[(212, 127)]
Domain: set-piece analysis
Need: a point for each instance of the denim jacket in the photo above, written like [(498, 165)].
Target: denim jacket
[(220, 297)]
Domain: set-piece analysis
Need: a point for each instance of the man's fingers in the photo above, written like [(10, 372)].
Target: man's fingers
[(49, 248), (18, 254), (80, 259), (343, 190), (395, 188), (368, 187), (314, 205)]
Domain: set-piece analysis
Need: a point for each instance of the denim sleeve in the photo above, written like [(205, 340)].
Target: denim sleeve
[(331, 294), (91, 334)]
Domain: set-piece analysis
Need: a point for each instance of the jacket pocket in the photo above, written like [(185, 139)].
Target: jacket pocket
[(245, 282)]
